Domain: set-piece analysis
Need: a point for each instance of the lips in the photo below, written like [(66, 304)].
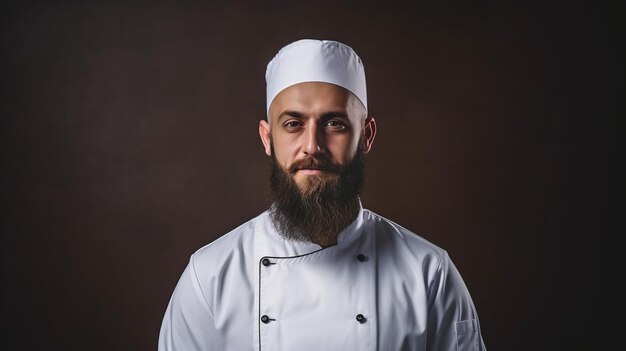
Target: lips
[(312, 169), (314, 165)]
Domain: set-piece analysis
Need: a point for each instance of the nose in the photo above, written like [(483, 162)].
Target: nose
[(314, 141)]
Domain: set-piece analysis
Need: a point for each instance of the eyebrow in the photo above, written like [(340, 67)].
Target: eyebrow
[(334, 114), (290, 113), (327, 115)]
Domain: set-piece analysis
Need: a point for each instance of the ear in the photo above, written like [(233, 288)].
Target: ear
[(369, 132), (264, 132)]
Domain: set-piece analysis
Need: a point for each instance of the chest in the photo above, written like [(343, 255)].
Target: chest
[(325, 300), (355, 298)]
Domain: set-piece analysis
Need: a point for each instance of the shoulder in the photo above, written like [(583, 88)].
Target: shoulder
[(395, 240), (232, 246)]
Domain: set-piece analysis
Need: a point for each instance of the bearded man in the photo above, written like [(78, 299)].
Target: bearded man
[(316, 271)]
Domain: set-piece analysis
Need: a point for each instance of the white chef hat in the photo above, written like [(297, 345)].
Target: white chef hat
[(309, 60)]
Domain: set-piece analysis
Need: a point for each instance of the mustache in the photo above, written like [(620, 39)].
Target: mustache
[(314, 163)]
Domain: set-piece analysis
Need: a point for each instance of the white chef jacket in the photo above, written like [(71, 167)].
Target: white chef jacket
[(380, 288)]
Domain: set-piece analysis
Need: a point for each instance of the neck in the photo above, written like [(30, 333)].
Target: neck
[(319, 224), (324, 243)]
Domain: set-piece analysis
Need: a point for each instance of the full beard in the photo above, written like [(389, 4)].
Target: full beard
[(323, 206)]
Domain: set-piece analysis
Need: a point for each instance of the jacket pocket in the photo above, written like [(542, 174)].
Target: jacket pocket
[(467, 335)]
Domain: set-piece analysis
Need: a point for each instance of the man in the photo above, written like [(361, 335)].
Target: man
[(317, 271)]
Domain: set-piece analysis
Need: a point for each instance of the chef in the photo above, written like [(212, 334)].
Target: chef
[(317, 271)]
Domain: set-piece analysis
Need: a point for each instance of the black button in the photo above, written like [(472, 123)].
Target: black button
[(360, 318), (265, 319), (361, 257), (266, 262)]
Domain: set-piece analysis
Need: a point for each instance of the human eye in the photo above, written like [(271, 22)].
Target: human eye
[(292, 124), (335, 124)]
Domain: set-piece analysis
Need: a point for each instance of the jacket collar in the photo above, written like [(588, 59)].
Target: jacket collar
[(269, 242)]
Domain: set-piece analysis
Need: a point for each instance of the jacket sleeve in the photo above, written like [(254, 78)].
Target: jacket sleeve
[(188, 321), (452, 319)]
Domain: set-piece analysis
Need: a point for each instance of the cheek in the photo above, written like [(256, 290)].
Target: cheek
[(343, 148), (284, 152)]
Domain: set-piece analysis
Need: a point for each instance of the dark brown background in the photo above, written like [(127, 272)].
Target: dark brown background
[(129, 140)]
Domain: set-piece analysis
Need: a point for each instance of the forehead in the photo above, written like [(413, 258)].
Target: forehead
[(313, 98)]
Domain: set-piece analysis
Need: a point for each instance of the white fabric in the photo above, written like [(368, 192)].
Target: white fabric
[(309, 60), (407, 289)]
